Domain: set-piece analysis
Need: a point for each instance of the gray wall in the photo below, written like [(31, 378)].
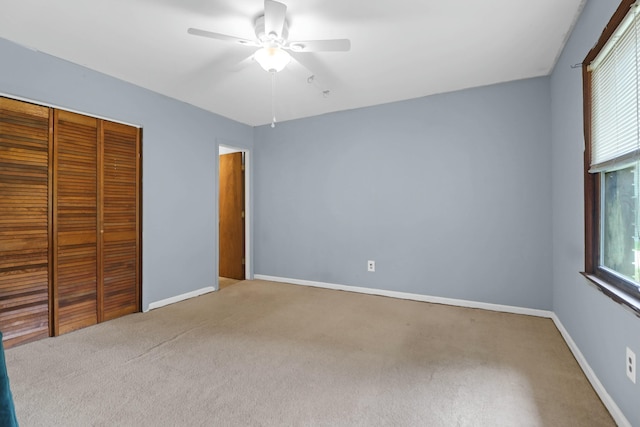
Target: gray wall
[(449, 194), (180, 161), (601, 328)]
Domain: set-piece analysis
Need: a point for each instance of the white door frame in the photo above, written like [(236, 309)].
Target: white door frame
[(224, 148)]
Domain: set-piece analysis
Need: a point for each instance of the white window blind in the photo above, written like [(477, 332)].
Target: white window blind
[(615, 85)]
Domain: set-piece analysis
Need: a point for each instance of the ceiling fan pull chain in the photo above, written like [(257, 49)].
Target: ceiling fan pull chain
[(273, 99)]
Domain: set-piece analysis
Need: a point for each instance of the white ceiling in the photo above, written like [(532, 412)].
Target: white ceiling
[(401, 49)]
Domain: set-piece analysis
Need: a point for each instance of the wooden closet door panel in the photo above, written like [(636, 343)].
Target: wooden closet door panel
[(24, 218), (120, 241), (75, 218)]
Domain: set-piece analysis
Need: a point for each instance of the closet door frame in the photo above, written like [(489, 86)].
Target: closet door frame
[(139, 219), (52, 317)]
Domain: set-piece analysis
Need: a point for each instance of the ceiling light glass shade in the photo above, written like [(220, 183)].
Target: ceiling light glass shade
[(272, 59)]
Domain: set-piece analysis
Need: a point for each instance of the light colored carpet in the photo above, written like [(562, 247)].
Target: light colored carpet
[(260, 353), (224, 282)]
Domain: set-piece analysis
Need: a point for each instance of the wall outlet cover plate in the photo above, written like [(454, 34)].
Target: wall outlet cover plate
[(631, 365)]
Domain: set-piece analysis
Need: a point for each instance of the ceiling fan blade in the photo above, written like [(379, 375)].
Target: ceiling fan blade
[(223, 37), (274, 17), (337, 45)]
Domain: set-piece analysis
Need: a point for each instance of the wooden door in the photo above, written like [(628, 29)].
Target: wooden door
[(24, 221), (231, 212), (69, 221), (75, 217), (119, 290)]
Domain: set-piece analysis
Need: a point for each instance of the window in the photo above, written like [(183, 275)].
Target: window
[(611, 74)]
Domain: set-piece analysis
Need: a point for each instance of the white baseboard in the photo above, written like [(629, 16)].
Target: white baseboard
[(609, 403), (414, 297), (614, 410), (611, 406), (179, 298)]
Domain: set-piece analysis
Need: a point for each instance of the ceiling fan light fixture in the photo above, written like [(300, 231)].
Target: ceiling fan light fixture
[(272, 59)]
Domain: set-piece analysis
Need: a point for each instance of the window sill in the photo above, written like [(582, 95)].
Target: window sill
[(622, 298)]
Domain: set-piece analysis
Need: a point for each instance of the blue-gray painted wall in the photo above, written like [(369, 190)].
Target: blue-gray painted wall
[(474, 195), (450, 195), (601, 328), (179, 162)]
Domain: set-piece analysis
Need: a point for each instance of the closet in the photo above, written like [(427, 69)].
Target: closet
[(69, 221)]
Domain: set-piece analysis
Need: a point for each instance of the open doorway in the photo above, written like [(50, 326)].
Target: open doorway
[(232, 216)]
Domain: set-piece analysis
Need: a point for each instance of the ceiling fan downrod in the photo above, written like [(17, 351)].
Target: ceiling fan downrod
[(273, 99)]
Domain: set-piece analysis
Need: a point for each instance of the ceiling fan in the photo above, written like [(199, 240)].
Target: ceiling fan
[(272, 39)]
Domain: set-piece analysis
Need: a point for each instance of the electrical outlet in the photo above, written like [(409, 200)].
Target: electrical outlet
[(631, 365), (371, 266)]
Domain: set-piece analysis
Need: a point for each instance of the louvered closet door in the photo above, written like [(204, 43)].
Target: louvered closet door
[(75, 221), (24, 219), (120, 245)]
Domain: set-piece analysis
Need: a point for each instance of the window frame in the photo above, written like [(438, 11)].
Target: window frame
[(617, 288)]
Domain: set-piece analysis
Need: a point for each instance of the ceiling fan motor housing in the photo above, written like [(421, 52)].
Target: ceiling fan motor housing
[(261, 35)]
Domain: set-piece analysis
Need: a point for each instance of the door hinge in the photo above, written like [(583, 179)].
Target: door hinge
[(242, 261), (242, 214)]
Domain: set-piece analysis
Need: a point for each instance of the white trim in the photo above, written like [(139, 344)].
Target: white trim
[(179, 298), (415, 297), (614, 410), (223, 149), (247, 215), (247, 205), (608, 401)]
